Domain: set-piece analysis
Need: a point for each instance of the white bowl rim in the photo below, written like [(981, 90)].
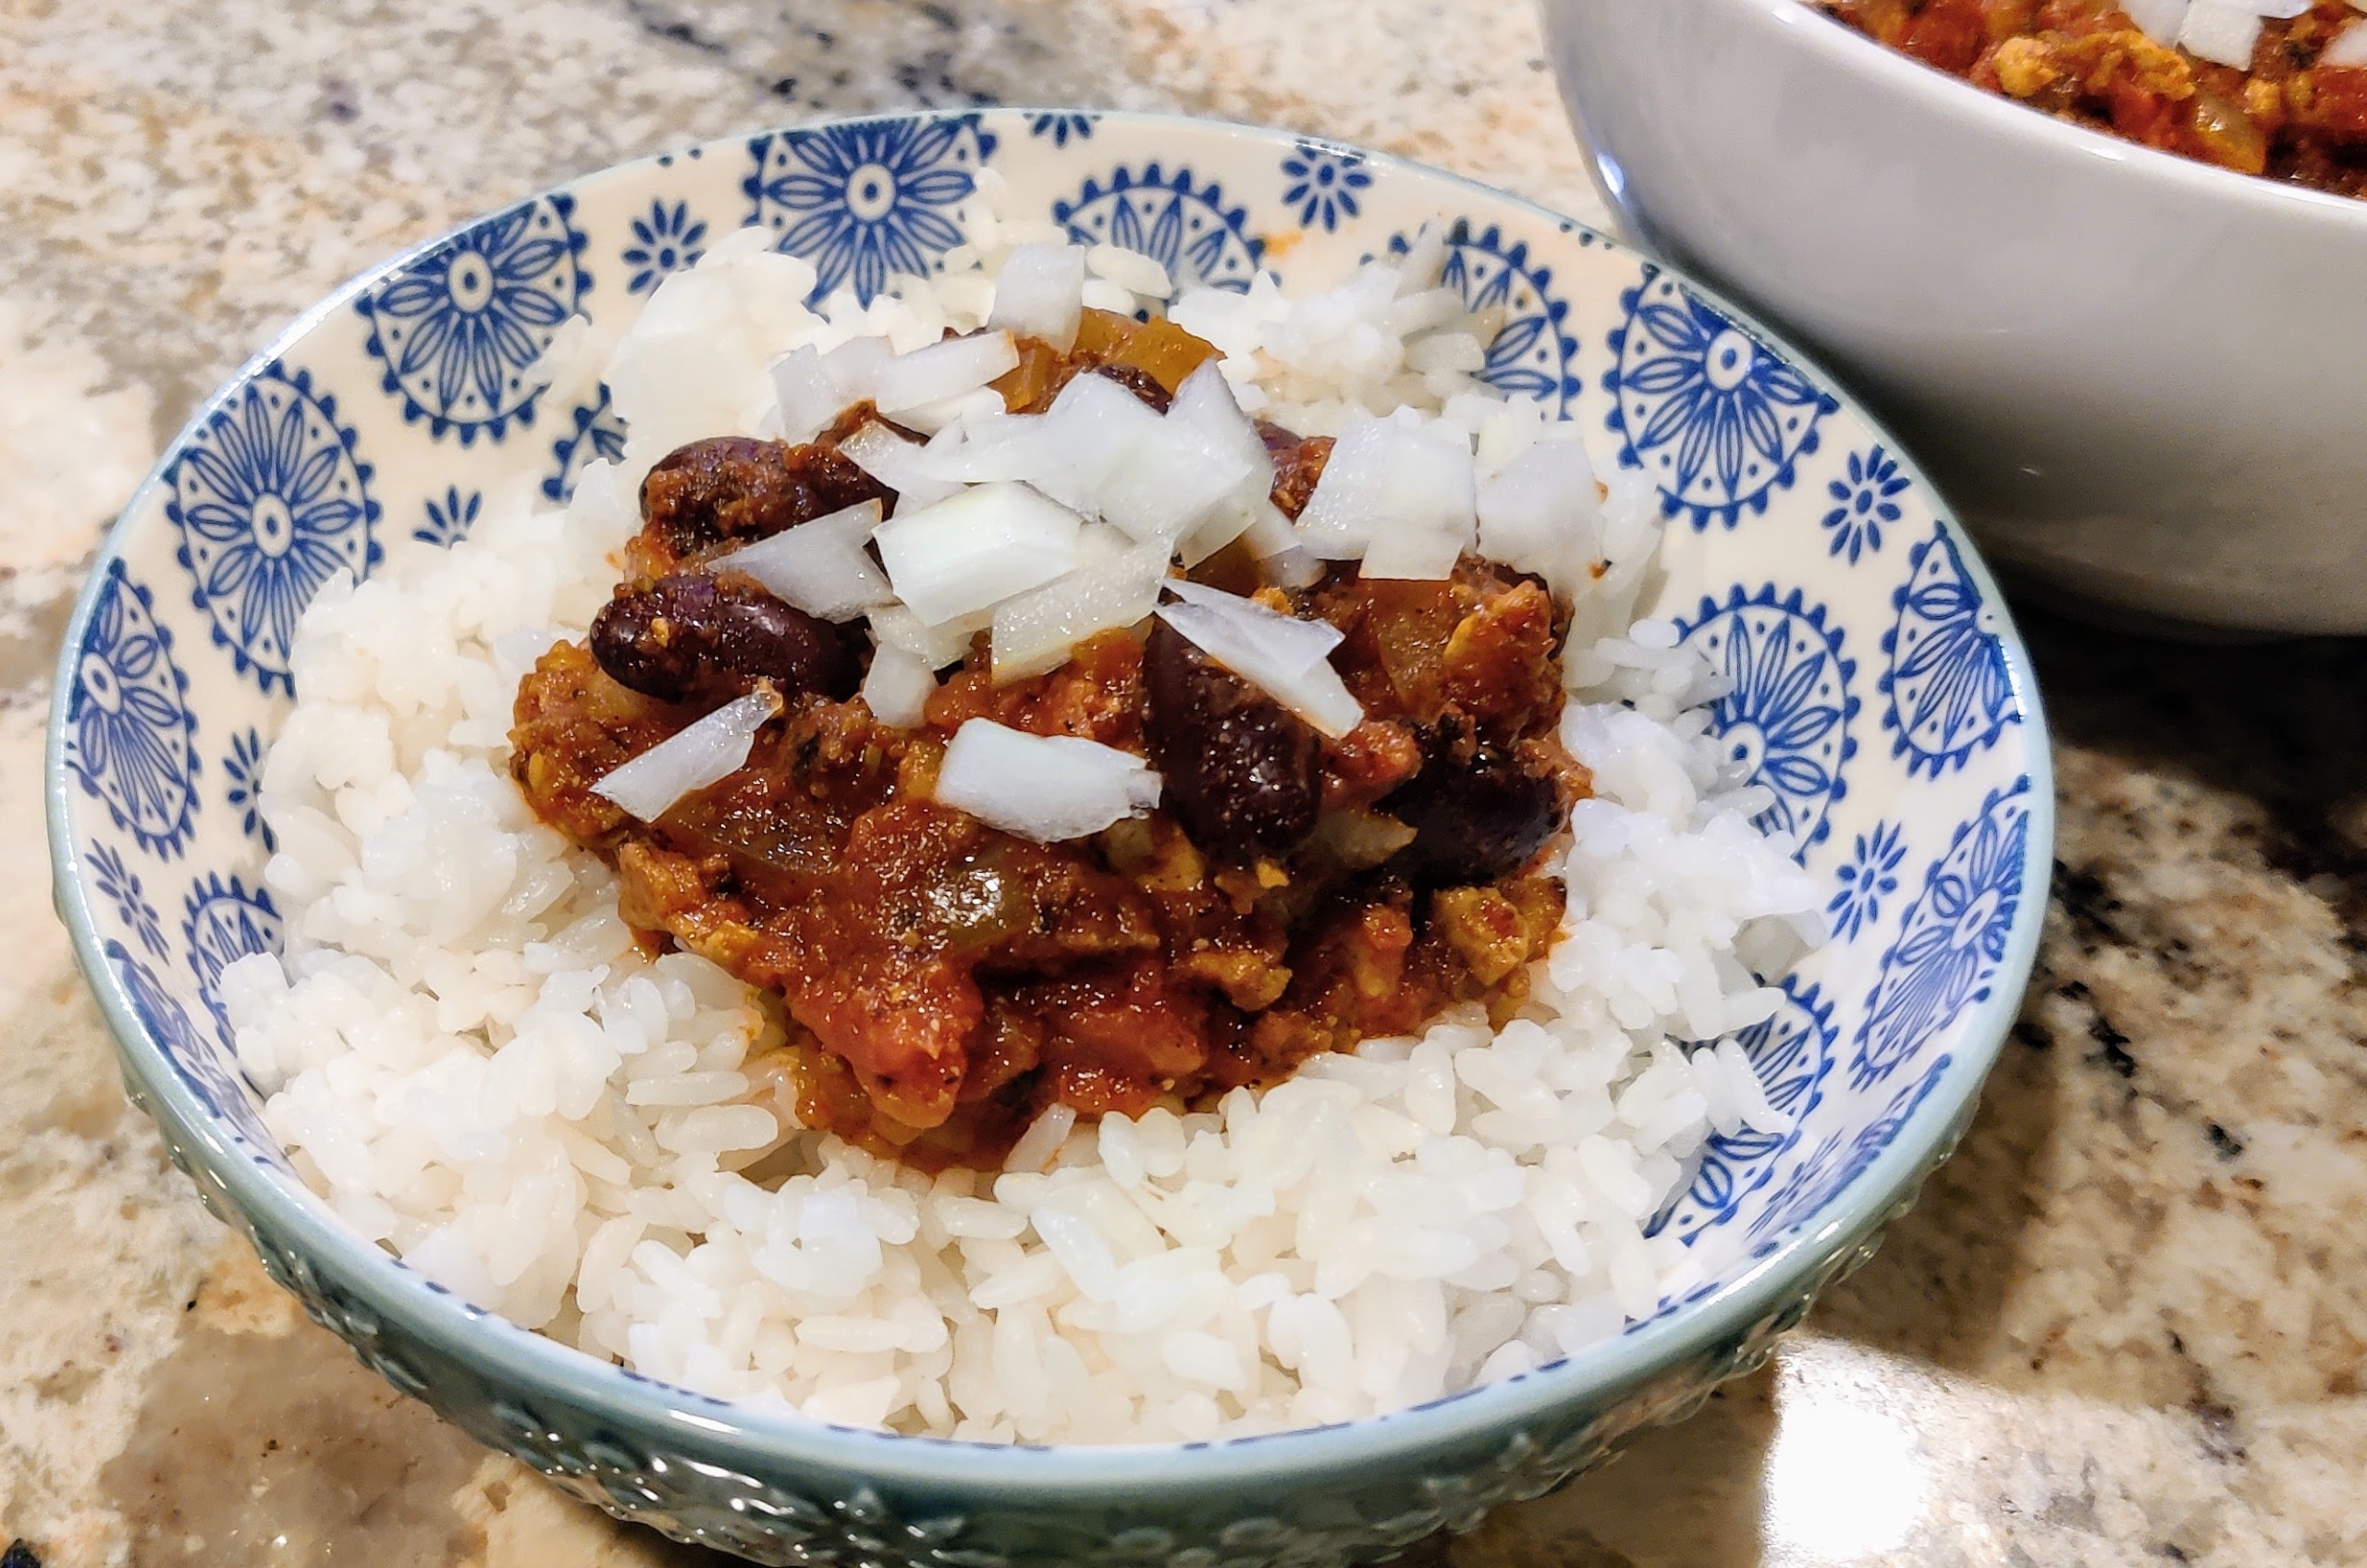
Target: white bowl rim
[(2066, 142), (510, 1358)]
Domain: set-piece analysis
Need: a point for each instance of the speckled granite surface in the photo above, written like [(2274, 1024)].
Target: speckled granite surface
[(2127, 1325)]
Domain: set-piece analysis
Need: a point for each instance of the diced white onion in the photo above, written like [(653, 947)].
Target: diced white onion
[(936, 646), (2349, 48), (1287, 658), (2158, 20), (814, 388), (895, 462), (820, 567), (703, 753), (1171, 477), (1206, 402), (944, 369), (2220, 30), (974, 549), (1542, 513), (1047, 787), (1035, 631), (1397, 496), (897, 687), (1129, 270), (1040, 293), (1100, 294), (1089, 430)]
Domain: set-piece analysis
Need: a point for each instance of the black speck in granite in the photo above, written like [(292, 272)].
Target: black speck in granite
[(2112, 1046), (20, 1554)]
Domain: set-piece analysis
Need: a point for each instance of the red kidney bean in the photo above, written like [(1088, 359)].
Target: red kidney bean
[(1476, 815), (1243, 774), (733, 488), (693, 637)]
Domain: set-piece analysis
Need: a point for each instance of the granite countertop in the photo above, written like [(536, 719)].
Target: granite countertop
[(2127, 1324)]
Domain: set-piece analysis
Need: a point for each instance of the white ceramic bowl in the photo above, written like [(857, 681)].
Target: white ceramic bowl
[(2140, 378)]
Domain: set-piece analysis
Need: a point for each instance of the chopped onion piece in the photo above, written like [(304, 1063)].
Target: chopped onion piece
[(897, 688), (895, 627), (1206, 402), (1089, 430), (1171, 477), (972, 550), (944, 369), (1002, 446), (897, 463), (2158, 20), (2220, 30), (1287, 658), (820, 567), (705, 753), (814, 388), (1040, 293), (2349, 48), (1406, 483), (1035, 632), (1542, 513), (1047, 787)]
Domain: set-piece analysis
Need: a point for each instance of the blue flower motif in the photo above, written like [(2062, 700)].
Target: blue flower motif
[(1719, 419), (597, 432), (1182, 225), (1837, 1162), (201, 1064), (667, 240), (448, 517), (270, 503), (120, 885), (458, 329), (1323, 184), (1530, 356), (223, 922), (1784, 719), (1952, 940), (1865, 502), (242, 765), (1870, 876), (1790, 1053), (129, 731), (1949, 688), (1059, 127), (866, 200)]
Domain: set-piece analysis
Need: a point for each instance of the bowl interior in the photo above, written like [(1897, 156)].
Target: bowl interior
[(1878, 689)]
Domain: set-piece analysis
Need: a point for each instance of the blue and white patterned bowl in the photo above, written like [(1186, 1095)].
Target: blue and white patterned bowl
[(1879, 689)]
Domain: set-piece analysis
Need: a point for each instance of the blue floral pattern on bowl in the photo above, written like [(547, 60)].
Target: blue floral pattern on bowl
[(1784, 722), (1949, 687), (457, 330), (866, 200), (129, 731), (1832, 565), (1182, 225), (1322, 183), (1791, 1054), (1954, 937), (665, 241), (1531, 354), (1719, 419), (270, 503)]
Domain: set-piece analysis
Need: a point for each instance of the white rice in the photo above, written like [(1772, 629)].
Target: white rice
[(466, 1055)]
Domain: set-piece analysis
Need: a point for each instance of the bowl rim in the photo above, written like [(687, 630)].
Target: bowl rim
[(507, 1356), (2066, 142)]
